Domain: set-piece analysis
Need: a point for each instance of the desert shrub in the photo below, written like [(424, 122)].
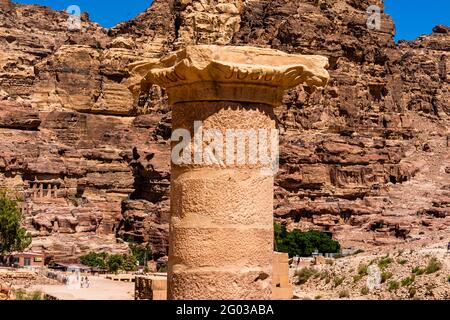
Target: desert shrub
[(365, 290), (393, 285), (372, 261), (418, 271), (362, 269), (408, 281), (357, 277), (385, 276), (433, 266), (338, 281), (344, 294), (384, 262), (20, 294), (36, 295), (304, 274), (23, 295), (448, 278), (402, 261), (318, 297), (298, 243), (322, 275)]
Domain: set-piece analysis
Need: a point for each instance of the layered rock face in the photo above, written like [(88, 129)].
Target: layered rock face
[(207, 21), (90, 163), (366, 158)]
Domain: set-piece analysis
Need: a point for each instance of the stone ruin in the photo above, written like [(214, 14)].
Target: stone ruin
[(154, 287), (282, 289), (150, 287), (221, 227)]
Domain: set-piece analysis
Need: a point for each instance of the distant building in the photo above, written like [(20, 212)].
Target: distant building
[(26, 259), (71, 267)]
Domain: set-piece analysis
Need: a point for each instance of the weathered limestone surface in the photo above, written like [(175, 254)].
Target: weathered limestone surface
[(367, 158), (206, 21), (216, 205)]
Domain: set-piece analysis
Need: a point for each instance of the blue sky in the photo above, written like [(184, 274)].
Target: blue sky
[(412, 17), (105, 12)]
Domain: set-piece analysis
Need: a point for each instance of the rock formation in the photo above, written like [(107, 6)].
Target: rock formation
[(206, 21), (88, 170), (367, 158)]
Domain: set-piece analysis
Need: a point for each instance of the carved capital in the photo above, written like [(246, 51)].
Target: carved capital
[(245, 74)]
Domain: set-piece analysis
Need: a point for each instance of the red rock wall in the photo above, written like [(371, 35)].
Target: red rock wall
[(367, 158)]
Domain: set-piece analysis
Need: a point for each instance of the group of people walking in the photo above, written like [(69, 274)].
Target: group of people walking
[(73, 280), (85, 282)]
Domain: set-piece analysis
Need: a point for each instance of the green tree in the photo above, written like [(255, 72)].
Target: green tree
[(129, 262), (115, 263), (141, 253), (112, 262), (96, 260), (13, 237), (280, 235), (298, 243)]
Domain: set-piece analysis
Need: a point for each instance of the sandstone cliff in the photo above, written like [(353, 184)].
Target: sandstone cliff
[(367, 158)]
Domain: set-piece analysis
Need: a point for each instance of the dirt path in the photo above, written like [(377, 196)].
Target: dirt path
[(100, 289)]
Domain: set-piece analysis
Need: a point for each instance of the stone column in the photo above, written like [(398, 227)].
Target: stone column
[(41, 190), (35, 190), (221, 227)]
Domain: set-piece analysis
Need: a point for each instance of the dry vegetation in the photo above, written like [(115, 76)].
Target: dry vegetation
[(422, 273)]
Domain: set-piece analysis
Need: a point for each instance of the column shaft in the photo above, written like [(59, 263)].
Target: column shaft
[(221, 230)]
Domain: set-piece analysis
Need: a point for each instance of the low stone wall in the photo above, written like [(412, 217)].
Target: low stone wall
[(150, 287), (281, 288), (154, 287)]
